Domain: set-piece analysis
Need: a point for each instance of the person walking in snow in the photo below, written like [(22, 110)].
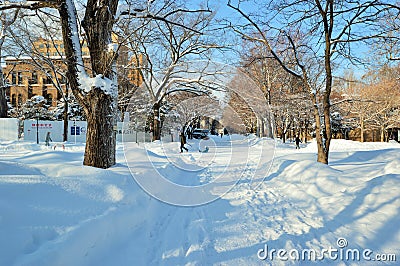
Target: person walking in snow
[(297, 140), (48, 139), (183, 141), (189, 132)]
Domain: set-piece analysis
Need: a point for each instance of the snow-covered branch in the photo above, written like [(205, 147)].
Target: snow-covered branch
[(27, 4)]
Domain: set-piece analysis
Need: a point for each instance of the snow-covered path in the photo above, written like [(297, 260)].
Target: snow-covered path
[(53, 211)]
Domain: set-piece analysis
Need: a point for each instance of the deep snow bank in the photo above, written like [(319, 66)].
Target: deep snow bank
[(54, 211)]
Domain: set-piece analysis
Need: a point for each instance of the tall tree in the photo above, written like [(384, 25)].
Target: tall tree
[(44, 29), (7, 18), (286, 97), (297, 26), (168, 49), (375, 102), (94, 88)]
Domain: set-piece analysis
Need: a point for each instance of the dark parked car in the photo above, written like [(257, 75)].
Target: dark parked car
[(199, 133)]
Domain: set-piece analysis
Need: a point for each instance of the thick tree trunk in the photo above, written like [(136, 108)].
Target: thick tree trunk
[(362, 129), (156, 122), (268, 127), (100, 106), (320, 134), (100, 136), (326, 133)]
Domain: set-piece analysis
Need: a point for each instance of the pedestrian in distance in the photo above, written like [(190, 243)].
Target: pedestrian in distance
[(297, 141), (189, 132), (183, 142), (48, 139), (226, 131)]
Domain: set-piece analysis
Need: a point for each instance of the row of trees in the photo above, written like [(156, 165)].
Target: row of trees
[(371, 102), (166, 34), (368, 102), (292, 49), (308, 39)]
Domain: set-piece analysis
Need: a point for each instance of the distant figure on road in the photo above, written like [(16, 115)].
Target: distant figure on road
[(183, 141), (226, 131), (189, 132), (48, 139), (297, 140)]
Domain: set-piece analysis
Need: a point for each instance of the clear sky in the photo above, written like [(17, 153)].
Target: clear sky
[(225, 13)]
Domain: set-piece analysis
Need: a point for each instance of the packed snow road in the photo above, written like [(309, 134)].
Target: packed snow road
[(229, 206)]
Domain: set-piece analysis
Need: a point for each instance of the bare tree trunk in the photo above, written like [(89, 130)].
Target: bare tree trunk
[(65, 118), (322, 155), (156, 122), (362, 129), (65, 115), (306, 124), (326, 136), (3, 99), (100, 136), (268, 126), (382, 133), (100, 106), (5, 24)]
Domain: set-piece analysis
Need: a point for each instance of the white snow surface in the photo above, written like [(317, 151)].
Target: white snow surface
[(54, 211)]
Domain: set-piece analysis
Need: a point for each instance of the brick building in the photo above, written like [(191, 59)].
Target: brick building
[(37, 75)]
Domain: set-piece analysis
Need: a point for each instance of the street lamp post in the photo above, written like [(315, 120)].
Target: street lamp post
[(37, 127), (75, 129), (136, 129)]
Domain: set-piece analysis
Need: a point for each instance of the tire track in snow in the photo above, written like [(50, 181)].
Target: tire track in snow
[(178, 233)]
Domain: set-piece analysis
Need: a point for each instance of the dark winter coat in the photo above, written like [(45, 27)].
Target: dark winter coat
[(183, 139)]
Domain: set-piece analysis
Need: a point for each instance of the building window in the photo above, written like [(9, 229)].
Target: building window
[(41, 45), (47, 80), (19, 99), (13, 100), (34, 77), (30, 92), (13, 78), (19, 78)]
